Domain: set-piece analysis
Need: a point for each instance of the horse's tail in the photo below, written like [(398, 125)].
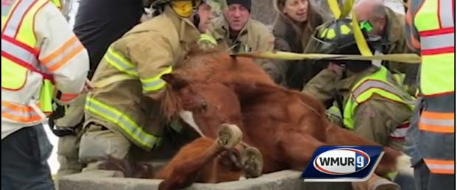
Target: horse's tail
[(128, 169)]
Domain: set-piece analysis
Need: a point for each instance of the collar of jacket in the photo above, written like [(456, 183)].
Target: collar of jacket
[(187, 31), (283, 23), (394, 27), (344, 86)]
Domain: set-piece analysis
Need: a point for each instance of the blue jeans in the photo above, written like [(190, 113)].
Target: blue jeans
[(24, 160)]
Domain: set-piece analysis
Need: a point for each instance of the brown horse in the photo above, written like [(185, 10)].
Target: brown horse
[(227, 97)]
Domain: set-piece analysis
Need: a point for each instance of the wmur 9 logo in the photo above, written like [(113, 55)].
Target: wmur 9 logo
[(342, 163)]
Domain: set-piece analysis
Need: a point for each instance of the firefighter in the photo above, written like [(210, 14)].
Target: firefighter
[(237, 31), (98, 23), (389, 25), (124, 114), (372, 104)]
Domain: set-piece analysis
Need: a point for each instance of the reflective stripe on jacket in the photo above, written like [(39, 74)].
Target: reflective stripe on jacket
[(380, 84)]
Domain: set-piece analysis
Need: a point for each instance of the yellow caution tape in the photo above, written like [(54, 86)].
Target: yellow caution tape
[(280, 55)]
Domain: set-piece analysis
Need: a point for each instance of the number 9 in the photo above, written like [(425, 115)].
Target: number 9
[(360, 162)]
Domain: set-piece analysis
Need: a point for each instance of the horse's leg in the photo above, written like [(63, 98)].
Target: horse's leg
[(298, 148), (187, 165), (245, 158)]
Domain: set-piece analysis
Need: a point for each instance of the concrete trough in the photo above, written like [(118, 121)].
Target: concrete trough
[(283, 180)]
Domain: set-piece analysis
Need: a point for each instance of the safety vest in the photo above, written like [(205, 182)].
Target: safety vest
[(434, 21), (377, 83), (21, 70)]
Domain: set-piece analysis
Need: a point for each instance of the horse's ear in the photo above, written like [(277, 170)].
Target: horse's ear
[(175, 80)]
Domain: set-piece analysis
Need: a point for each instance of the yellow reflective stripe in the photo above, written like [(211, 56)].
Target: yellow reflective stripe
[(207, 38), (120, 62), (365, 90), (46, 95), (155, 83), (123, 121)]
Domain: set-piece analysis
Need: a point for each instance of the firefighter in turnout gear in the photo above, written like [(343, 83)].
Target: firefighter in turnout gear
[(372, 104), (430, 141), (43, 63), (121, 114), (97, 26)]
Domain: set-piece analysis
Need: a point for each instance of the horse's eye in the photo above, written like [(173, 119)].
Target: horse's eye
[(204, 106)]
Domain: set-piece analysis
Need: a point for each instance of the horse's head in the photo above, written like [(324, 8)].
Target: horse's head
[(202, 105)]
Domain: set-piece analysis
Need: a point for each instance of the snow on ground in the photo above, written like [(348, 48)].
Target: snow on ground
[(53, 162)]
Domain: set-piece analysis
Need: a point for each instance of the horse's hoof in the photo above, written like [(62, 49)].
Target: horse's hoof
[(252, 162), (229, 136)]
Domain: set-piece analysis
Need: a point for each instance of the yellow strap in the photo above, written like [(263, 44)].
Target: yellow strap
[(359, 38), (334, 7), (112, 79), (280, 55), (347, 8)]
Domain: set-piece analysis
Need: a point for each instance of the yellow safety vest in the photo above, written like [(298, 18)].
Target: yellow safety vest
[(20, 58), (436, 30), (434, 21), (377, 83)]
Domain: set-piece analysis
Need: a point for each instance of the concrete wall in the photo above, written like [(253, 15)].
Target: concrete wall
[(284, 180)]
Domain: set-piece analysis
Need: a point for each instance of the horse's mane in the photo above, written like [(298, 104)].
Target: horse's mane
[(198, 65)]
